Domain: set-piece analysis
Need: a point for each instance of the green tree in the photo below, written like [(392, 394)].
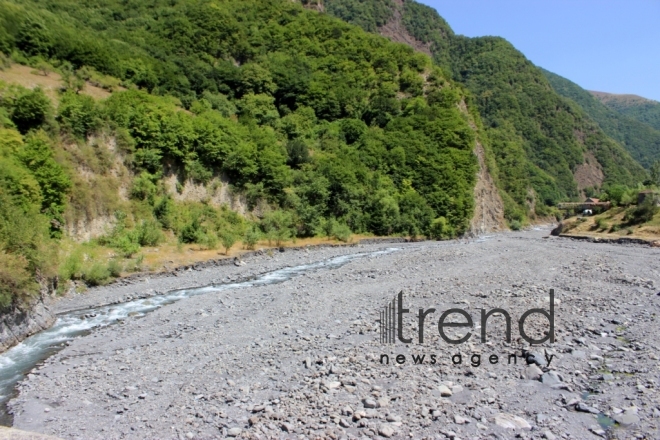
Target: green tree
[(31, 110)]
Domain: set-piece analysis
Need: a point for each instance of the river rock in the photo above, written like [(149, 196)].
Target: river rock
[(444, 391), (385, 431), (511, 421), (551, 378), (533, 372)]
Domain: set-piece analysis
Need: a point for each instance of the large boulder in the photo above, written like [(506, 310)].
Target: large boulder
[(558, 230)]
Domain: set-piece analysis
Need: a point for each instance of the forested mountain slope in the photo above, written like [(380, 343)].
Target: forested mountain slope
[(545, 147), (320, 127), (640, 139), (641, 109)]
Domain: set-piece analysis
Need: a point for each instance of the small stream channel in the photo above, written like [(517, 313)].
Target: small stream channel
[(18, 361)]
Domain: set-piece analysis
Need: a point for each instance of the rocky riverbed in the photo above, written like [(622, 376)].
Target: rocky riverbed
[(304, 358)]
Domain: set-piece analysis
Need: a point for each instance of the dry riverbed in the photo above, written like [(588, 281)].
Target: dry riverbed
[(303, 359)]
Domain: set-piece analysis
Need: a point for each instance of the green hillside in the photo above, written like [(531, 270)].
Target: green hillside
[(641, 109), (538, 138), (640, 139), (323, 127)]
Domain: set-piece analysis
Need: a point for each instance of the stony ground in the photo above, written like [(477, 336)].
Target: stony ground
[(303, 359)]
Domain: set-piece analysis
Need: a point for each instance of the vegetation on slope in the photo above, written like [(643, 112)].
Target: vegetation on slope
[(537, 138), (641, 109), (331, 128), (640, 139)]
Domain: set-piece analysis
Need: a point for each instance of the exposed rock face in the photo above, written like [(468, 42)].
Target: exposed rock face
[(24, 321), (396, 31), (488, 205), (589, 173)]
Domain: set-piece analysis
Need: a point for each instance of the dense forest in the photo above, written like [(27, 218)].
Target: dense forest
[(640, 139), (640, 109), (536, 137), (330, 129)]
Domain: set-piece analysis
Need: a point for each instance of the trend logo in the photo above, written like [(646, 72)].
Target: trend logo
[(391, 323)]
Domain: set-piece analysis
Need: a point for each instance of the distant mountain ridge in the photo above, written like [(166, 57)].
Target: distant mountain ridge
[(640, 139), (636, 107)]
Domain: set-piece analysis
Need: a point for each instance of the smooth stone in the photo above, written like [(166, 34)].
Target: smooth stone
[(370, 403), (460, 420), (386, 431), (626, 419), (536, 358), (583, 407), (445, 391), (509, 421), (234, 432), (533, 372), (551, 378)]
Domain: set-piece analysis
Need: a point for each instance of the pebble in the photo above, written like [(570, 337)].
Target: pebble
[(445, 391), (511, 421)]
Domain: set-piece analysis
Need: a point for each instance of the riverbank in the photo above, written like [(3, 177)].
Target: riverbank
[(211, 270), (304, 358)]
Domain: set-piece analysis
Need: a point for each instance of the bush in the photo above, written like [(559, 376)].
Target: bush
[(441, 229), (125, 244), (149, 233), (192, 232), (115, 268), (251, 238), (16, 282), (143, 187), (278, 226), (96, 275), (601, 224), (71, 268), (515, 225), (209, 240), (31, 110), (643, 213), (228, 239), (77, 114), (341, 232)]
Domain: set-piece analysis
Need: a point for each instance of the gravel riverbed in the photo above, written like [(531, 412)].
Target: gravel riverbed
[(304, 358)]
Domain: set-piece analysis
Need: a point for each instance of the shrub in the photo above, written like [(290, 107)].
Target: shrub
[(16, 282), (77, 114), (31, 110), (601, 224), (228, 239), (341, 232), (278, 226), (251, 238), (515, 225), (644, 212), (115, 268), (149, 233), (96, 275), (441, 229), (125, 244), (71, 268), (208, 240), (143, 187), (192, 232)]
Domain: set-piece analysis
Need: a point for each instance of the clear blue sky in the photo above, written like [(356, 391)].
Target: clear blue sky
[(605, 45)]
